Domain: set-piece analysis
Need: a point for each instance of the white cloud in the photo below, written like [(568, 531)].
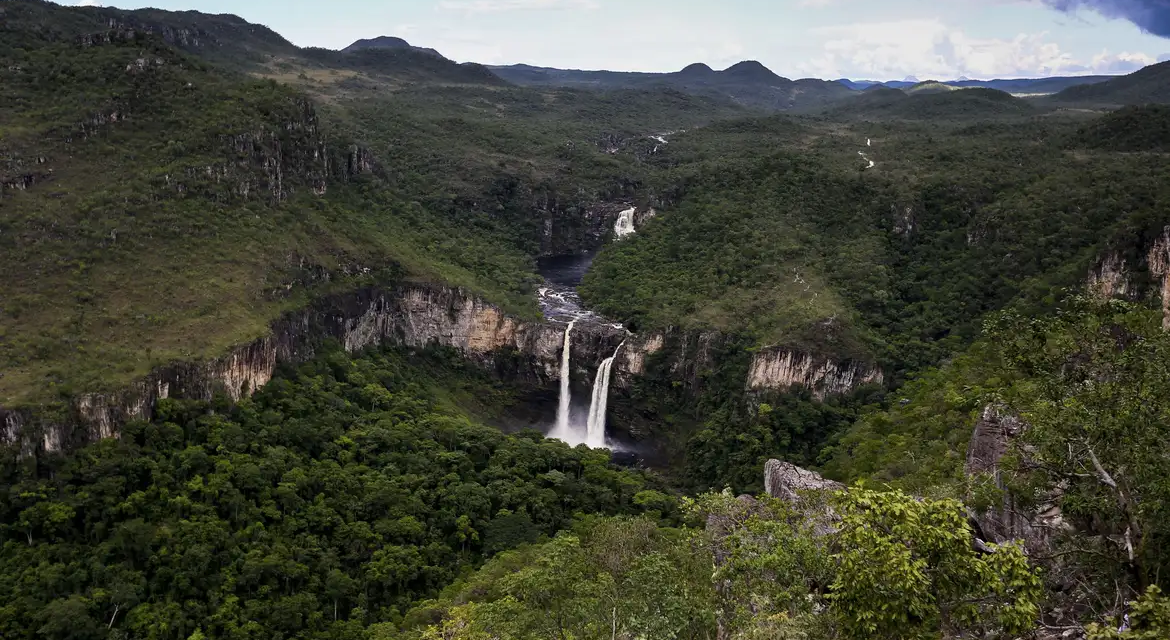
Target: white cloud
[(88, 3), (929, 48), (497, 6)]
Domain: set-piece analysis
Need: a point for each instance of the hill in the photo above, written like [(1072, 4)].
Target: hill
[(928, 86), (1129, 129), (242, 197), (1018, 86), (1148, 85), (387, 42), (748, 83), (932, 102)]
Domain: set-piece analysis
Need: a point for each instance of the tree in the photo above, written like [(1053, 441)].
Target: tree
[(1092, 383), (1149, 619), (907, 568)]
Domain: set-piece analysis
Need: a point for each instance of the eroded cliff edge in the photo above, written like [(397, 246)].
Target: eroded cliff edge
[(415, 315), (410, 315)]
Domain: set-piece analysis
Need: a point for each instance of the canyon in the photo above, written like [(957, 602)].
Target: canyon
[(415, 315)]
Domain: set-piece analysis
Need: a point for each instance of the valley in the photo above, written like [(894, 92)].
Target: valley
[(369, 344)]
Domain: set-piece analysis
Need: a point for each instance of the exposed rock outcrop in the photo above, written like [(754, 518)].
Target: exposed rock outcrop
[(414, 316), (786, 481), (1159, 264), (1036, 524), (782, 369), (1110, 278)]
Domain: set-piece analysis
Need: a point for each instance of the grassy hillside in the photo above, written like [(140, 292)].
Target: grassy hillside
[(932, 101), (156, 209), (787, 236), (1144, 86), (172, 182)]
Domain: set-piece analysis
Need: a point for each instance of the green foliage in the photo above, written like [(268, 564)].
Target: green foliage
[(1095, 394), (773, 565), (1129, 129), (623, 577), (335, 498), (907, 569), (1149, 619)]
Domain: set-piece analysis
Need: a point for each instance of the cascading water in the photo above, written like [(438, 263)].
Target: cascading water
[(562, 430), (595, 428), (625, 223), (559, 303)]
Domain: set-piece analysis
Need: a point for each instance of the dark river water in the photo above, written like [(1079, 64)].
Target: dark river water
[(558, 295)]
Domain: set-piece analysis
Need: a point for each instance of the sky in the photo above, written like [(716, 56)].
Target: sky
[(858, 39)]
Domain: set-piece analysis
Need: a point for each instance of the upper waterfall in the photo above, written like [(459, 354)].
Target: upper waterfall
[(625, 223)]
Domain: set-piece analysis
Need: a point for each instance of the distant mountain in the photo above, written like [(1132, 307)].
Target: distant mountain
[(974, 103), (387, 42), (1145, 86), (1014, 85), (747, 83), (929, 86)]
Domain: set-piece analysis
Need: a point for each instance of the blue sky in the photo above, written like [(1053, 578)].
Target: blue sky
[(879, 39)]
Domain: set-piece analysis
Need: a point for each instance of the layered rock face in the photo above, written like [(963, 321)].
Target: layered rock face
[(781, 369), (1159, 261), (1035, 525), (1113, 277), (786, 481), (414, 316), (1110, 278)]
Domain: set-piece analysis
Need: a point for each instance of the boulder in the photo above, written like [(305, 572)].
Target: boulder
[(785, 481)]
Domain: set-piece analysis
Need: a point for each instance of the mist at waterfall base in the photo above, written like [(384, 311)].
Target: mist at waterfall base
[(559, 303)]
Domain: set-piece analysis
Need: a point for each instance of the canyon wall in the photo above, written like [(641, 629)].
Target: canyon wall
[(1159, 264), (413, 316), (420, 316), (781, 369)]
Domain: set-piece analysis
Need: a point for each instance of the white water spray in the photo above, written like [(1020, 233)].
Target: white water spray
[(595, 429), (625, 223), (562, 428)]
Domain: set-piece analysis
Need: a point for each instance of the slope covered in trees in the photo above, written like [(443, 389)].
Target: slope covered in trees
[(128, 167), (165, 199), (334, 499)]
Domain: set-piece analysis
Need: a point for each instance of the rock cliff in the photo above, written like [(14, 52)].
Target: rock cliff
[(782, 369), (413, 316), (1035, 524), (786, 481), (1111, 277), (1159, 264)]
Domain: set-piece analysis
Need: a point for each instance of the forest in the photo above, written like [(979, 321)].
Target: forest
[(173, 185)]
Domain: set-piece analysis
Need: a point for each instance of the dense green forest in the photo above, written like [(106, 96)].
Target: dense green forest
[(172, 184), (335, 498)]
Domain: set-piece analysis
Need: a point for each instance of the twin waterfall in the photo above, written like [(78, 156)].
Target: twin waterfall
[(593, 433), (559, 303)]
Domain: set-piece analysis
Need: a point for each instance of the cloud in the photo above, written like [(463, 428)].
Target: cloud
[(1152, 16), (88, 3), (929, 48), (499, 6), (1165, 57)]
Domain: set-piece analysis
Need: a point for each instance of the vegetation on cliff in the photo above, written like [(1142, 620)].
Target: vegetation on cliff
[(335, 498), (171, 183)]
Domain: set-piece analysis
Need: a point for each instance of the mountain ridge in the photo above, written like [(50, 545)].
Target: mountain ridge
[(387, 42)]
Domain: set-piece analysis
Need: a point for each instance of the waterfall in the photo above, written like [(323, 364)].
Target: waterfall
[(625, 223), (595, 430), (562, 429)]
